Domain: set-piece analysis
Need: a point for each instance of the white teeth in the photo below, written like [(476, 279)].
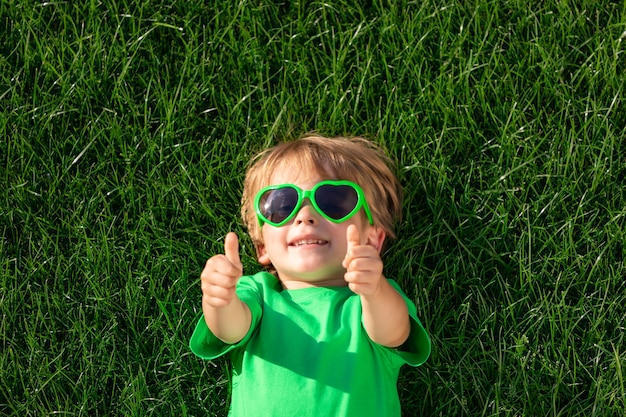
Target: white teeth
[(309, 242)]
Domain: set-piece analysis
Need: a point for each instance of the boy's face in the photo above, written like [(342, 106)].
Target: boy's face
[(309, 250)]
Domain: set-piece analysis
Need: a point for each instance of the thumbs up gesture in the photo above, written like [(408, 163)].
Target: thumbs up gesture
[(364, 267), (221, 273)]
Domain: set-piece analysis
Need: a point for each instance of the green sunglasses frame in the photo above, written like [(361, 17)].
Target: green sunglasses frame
[(310, 195)]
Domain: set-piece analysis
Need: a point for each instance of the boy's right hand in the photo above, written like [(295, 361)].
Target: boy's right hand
[(221, 273)]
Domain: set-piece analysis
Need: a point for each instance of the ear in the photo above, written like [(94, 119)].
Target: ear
[(376, 237), (262, 256)]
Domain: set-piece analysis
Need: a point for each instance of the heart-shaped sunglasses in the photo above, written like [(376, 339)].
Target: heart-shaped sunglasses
[(335, 201)]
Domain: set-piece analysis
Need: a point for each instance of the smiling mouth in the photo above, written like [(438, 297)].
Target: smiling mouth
[(306, 242)]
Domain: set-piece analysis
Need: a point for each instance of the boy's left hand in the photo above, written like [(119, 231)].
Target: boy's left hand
[(364, 267)]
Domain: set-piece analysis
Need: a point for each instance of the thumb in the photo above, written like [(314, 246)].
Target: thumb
[(354, 239), (353, 236), (231, 249)]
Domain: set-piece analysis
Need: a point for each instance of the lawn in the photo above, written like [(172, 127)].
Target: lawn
[(126, 127)]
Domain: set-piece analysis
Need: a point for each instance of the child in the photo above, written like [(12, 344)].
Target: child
[(325, 333)]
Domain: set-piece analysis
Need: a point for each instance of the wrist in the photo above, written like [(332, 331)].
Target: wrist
[(377, 290)]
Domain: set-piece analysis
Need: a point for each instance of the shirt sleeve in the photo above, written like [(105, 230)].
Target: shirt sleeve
[(417, 347), (206, 345)]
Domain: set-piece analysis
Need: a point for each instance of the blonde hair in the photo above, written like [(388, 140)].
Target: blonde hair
[(341, 158)]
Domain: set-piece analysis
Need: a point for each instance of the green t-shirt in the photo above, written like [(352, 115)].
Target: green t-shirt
[(307, 354)]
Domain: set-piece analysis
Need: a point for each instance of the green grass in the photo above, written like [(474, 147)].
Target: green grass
[(126, 127)]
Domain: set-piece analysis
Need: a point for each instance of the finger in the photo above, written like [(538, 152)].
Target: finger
[(215, 291), (220, 264), (218, 297), (225, 278), (231, 249)]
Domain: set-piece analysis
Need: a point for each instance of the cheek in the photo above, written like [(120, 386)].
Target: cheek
[(272, 236), (340, 238)]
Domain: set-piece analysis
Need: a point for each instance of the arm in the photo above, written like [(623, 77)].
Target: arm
[(225, 314), (385, 314), (231, 323)]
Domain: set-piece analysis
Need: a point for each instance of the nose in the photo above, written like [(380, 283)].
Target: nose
[(307, 214)]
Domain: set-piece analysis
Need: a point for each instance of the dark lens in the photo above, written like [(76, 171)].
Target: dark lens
[(336, 201), (277, 205)]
